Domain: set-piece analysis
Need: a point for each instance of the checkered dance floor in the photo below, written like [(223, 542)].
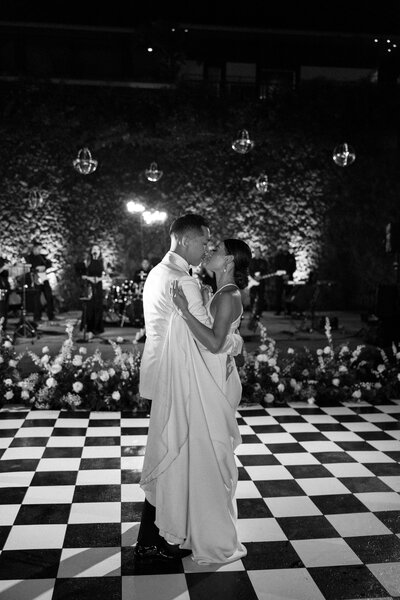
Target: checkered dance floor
[(318, 501)]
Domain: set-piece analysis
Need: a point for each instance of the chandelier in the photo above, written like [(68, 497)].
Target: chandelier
[(243, 144), (84, 163), (344, 155), (153, 173), (36, 197), (262, 183)]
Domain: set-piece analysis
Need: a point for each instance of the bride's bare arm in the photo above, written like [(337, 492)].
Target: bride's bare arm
[(212, 338)]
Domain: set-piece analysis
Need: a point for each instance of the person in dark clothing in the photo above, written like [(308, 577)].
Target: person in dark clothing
[(93, 319), (40, 269), (4, 290), (284, 261), (257, 269)]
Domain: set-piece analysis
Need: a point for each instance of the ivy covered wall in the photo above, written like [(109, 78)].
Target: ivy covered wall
[(333, 218)]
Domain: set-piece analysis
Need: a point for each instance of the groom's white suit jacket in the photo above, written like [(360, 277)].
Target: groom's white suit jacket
[(158, 308)]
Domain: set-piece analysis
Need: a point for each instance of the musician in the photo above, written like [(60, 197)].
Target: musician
[(93, 275), (257, 268), (140, 275), (40, 269), (284, 260), (4, 290)]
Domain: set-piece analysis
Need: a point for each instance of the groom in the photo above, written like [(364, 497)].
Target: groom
[(189, 235)]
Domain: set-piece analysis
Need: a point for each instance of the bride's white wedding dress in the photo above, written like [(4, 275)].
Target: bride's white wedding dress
[(189, 472)]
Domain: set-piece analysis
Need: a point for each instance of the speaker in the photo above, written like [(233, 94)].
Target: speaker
[(392, 237)]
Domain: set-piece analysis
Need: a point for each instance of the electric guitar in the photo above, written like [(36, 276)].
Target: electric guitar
[(41, 274), (253, 282)]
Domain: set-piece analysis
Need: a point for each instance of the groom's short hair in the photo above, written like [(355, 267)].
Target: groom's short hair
[(186, 223)]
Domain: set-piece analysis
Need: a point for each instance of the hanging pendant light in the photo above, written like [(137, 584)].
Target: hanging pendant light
[(243, 144), (84, 163), (262, 183), (36, 197), (153, 173), (344, 155)]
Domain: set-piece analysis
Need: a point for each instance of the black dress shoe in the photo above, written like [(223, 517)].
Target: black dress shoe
[(163, 552), (145, 552), (173, 551)]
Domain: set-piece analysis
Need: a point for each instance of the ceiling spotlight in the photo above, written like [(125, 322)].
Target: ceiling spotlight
[(153, 173), (243, 144), (149, 49), (344, 155)]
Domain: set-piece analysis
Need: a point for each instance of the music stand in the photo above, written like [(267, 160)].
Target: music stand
[(23, 328)]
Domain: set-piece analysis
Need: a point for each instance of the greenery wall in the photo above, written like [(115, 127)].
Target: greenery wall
[(334, 218)]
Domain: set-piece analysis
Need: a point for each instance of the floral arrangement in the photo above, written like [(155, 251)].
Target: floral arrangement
[(326, 376), (72, 380)]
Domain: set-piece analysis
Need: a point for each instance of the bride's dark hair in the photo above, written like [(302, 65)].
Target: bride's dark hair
[(241, 257)]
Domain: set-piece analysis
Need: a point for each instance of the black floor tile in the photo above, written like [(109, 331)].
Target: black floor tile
[(330, 427), (134, 450), (104, 423), (97, 493), (54, 478), (333, 457), (358, 485), (130, 476), (94, 535), (243, 474), (331, 504), (349, 419), (279, 487), (69, 452), (29, 564), (382, 469), (8, 433), (29, 442), (131, 566), (252, 508), (69, 431), (394, 456), (309, 436), (87, 588), (268, 429), (100, 463), (256, 412), (131, 512), (80, 414), (285, 448), (376, 548), (39, 423), (234, 585), (103, 441), (4, 531), (289, 418), (356, 446), (307, 471), (134, 430), (305, 410), (256, 460), (389, 425), (271, 555), (17, 415), (46, 514), (250, 439), (343, 583), (12, 466), (374, 435), (305, 528), (390, 518), (12, 495)]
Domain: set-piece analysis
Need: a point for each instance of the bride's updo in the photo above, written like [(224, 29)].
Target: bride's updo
[(241, 257)]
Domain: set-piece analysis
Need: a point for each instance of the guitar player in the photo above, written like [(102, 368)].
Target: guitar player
[(284, 261), (257, 268), (4, 290), (93, 274), (40, 269)]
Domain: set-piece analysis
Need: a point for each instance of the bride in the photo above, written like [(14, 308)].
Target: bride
[(214, 393)]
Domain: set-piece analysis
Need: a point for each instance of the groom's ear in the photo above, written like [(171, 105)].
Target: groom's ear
[(184, 241)]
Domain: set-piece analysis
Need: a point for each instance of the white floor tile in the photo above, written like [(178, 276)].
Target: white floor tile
[(378, 501), (388, 574), (134, 463), (260, 420), (348, 470), (327, 552), (277, 438), (16, 479), (252, 449), (268, 472), (284, 584), (247, 489), (296, 458), (8, 513), (358, 524), (260, 530), (103, 431), (129, 533), (393, 481), (63, 441), (71, 423), (31, 432), (292, 506), (43, 494), (319, 486), (148, 587), (101, 452), (31, 537), (95, 512), (385, 445), (321, 447), (132, 492), (90, 562), (300, 428), (343, 436), (131, 422), (99, 477), (105, 415), (361, 426), (58, 464), (369, 456), (135, 440), (27, 589), (24, 453)]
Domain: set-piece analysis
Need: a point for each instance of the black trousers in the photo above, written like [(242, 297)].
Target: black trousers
[(48, 294), (149, 534)]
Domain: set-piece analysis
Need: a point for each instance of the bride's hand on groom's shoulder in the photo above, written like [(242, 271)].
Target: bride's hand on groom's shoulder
[(178, 296)]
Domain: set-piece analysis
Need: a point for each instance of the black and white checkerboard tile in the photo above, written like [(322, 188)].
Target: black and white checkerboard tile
[(318, 501)]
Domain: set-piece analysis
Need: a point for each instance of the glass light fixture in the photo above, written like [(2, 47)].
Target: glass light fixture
[(243, 144), (135, 207), (344, 155), (36, 197), (84, 163), (262, 183), (153, 173), (156, 216)]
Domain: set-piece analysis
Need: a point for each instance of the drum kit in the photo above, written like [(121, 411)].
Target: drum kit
[(124, 302)]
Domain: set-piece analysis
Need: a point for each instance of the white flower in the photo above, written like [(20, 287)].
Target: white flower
[(56, 368), (77, 360), (345, 349), (335, 381), (120, 340), (311, 400), (8, 381), (8, 395), (77, 387), (356, 394), (262, 358), (45, 359), (275, 377), (111, 372), (45, 350), (93, 375), (398, 355), (1, 360), (293, 383), (277, 369), (263, 347), (398, 376), (281, 388), (271, 362), (342, 369), (327, 350), (51, 382), (305, 372), (12, 363), (116, 395), (378, 385), (83, 350), (319, 352), (268, 398), (381, 368), (25, 394), (7, 344), (124, 375), (104, 376), (290, 351)]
